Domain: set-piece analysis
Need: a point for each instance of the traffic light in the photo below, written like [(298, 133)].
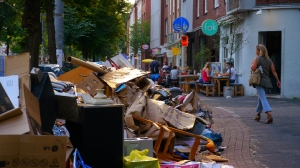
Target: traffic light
[(184, 41)]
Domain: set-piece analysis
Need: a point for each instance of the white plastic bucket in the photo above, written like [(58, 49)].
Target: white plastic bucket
[(228, 91)]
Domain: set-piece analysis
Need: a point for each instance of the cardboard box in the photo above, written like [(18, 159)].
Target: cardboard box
[(17, 65), (90, 84), (10, 85), (5, 103), (76, 75), (15, 125), (33, 151)]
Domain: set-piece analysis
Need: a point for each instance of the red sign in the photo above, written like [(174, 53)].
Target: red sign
[(184, 41)]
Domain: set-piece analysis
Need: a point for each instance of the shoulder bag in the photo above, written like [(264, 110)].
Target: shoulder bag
[(255, 76)]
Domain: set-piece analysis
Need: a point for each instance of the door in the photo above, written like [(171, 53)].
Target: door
[(272, 40)]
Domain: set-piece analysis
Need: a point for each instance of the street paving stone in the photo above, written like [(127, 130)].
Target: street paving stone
[(253, 144)]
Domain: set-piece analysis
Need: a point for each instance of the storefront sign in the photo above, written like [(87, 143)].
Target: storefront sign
[(175, 51), (145, 46), (155, 51), (209, 27)]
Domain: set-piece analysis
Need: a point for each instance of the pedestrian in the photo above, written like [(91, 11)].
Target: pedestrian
[(174, 76), (155, 70), (263, 60)]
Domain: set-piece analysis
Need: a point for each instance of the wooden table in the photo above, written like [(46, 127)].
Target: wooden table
[(187, 78), (218, 79)]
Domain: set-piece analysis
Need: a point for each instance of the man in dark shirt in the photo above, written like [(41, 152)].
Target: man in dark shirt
[(155, 69)]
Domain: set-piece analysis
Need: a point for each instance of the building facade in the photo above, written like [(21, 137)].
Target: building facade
[(274, 23)]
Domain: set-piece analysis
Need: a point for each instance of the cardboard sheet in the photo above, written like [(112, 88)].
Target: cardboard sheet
[(90, 84), (177, 118), (11, 86), (33, 112), (17, 65), (117, 77), (76, 75), (33, 151), (15, 125)]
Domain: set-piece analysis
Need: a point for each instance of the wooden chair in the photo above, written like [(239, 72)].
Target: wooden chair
[(238, 89), (163, 154)]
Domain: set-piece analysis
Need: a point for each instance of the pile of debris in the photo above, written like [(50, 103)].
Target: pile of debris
[(178, 124)]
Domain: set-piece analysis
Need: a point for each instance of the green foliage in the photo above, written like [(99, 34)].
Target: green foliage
[(11, 32), (98, 30), (202, 55), (229, 36), (139, 35)]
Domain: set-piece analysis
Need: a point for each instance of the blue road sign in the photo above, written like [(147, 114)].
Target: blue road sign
[(181, 24)]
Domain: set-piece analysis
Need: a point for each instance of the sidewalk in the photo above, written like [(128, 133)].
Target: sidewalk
[(255, 144)]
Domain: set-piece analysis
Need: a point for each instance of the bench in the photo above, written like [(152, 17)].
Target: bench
[(238, 89), (207, 89)]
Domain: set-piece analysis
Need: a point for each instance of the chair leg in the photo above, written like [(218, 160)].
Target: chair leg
[(242, 90), (206, 90), (235, 91)]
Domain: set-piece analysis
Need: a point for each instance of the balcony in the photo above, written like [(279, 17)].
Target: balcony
[(236, 6)]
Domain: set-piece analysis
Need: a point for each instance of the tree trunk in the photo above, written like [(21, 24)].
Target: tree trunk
[(51, 31), (31, 22)]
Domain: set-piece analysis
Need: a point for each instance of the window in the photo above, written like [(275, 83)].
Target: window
[(167, 2), (216, 3), (173, 4), (167, 27), (198, 8), (205, 6), (170, 7)]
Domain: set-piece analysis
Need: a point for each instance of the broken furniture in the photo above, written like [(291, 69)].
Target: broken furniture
[(163, 154)]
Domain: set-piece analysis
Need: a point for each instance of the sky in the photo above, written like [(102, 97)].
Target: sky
[(131, 1)]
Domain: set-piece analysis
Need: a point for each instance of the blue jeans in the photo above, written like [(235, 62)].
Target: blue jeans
[(154, 77), (262, 102)]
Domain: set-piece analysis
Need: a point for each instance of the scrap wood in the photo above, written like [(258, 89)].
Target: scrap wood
[(217, 158), (97, 68)]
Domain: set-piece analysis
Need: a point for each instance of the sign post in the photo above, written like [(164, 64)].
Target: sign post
[(181, 25)]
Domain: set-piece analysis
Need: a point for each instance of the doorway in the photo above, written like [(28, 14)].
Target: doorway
[(272, 40)]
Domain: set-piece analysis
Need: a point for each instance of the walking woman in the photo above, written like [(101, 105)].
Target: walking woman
[(267, 65)]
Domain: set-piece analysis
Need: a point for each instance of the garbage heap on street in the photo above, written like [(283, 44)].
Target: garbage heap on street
[(99, 116)]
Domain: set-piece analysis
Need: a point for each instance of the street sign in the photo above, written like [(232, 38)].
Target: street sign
[(181, 24), (209, 27)]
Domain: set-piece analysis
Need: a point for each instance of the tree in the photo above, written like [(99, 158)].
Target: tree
[(11, 32), (101, 28), (202, 55), (31, 24), (51, 31), (231, 35), (75, 27), (139, 35)]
